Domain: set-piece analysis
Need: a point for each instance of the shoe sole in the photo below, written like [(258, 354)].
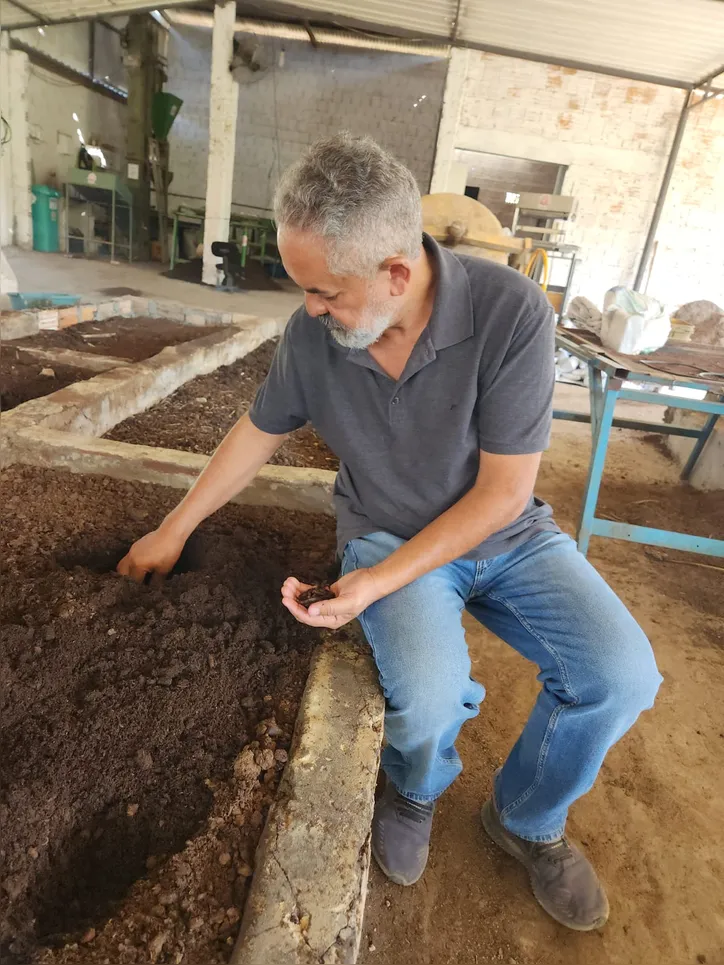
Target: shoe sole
[(492, 829), (394, 878)]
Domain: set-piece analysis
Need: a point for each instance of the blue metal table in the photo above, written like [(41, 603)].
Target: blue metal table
[(607, 373)]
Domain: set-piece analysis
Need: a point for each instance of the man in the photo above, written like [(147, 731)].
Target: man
[(431, 377)]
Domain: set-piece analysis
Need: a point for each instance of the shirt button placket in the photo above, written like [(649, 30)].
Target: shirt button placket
[(395, 411)]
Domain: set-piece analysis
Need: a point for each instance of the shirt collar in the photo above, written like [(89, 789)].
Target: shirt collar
[(452, 318)]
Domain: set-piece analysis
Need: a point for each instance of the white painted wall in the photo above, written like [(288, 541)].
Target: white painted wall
[(68, 42), (15, 227), (283, 109), (52, 101), (613, 135), (689, 260), (39, 106)]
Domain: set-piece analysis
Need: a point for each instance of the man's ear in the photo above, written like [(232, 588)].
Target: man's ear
[(400, 273)]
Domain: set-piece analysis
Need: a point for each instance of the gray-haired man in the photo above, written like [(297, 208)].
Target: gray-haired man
[(431, 377)]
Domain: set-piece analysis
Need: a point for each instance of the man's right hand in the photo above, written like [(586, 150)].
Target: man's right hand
[(238, 459), (157, 552)]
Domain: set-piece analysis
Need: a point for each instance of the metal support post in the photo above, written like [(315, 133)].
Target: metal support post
[(598, 461), (595, 392), (663, 191), (701, 441)]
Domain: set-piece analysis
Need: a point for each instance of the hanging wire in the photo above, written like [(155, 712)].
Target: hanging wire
[(6, 132)]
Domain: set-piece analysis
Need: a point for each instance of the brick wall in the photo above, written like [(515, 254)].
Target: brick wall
[(614, 136), (689, 258), (283, 109)]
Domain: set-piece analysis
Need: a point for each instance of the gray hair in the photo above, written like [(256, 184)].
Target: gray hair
[(358, 197)]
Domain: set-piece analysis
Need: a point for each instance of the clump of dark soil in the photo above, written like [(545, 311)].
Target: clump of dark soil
[(144, 728), (197, 416), (23, 377), (134, 339)]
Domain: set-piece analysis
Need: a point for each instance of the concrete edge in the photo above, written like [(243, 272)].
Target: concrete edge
[(79, 360), (306, 902), (21, 324), (286, 487), (96, 405)]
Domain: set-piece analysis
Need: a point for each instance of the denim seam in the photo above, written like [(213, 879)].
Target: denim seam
[(361, 617), (421, 798), (446, 760), (479, 573), (553, 720)]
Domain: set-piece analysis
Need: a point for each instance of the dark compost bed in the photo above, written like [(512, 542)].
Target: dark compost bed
[(197, 416), (144, 728)]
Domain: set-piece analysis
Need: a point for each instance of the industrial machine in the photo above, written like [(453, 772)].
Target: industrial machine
[(543, 219), (468, 226), (99, 214)]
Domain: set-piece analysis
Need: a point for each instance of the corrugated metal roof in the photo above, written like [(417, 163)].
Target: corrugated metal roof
[(420, 17), (60, 11), (676, 40)]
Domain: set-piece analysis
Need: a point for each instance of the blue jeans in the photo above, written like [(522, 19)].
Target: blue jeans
[(597, 672)]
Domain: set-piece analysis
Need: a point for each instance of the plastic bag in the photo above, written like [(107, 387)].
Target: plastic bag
[(633, 323), (584, 313)]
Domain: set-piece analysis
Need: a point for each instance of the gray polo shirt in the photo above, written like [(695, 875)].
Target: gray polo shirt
[(479, 377)]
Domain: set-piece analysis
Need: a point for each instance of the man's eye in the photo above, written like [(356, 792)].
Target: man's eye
[(331, 298)]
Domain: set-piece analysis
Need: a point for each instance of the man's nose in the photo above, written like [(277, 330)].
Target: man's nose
[(314, 305)]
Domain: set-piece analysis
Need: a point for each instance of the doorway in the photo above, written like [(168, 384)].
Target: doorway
[(491, 177)]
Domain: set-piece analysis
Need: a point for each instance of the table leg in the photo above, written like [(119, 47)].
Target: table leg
[(598, 460), (595, 392), (699, 445)]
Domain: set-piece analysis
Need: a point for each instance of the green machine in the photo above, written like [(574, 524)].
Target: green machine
[(107, 207), (164, 108)]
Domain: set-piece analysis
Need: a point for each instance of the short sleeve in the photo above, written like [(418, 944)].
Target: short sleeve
[(515, 400), (279, 406)]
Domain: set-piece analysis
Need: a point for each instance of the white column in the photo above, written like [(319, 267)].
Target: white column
[(443, 170), (223, 105), (15, 198)]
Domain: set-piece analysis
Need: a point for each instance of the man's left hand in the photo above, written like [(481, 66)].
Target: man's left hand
[(353, 593)]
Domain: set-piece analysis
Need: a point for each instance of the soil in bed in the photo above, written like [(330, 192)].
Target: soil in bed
[(197, 416), (144, 728), (134, 339), (23, 377)]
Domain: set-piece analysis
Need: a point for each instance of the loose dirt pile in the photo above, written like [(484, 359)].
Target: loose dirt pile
[(24, 377), (143, 728)]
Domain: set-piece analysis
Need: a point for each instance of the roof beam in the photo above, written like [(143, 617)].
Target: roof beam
[(41, 21), (40, 59), (31, 13)]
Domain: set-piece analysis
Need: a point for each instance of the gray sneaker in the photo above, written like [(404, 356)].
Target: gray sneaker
[(401, 836), (563, 879)]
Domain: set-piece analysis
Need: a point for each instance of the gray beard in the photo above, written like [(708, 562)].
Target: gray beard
[(356, 338)]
